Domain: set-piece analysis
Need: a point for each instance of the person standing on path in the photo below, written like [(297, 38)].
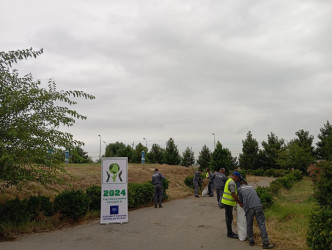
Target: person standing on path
[(157, 181), (197, 180), (253, 208), (219, 180), (209, 175), (229, 199)]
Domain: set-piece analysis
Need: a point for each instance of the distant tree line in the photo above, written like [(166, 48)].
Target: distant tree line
[(299, 153)]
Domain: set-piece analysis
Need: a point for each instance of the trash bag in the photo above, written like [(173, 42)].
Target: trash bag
[(241, 223), (205, 191)]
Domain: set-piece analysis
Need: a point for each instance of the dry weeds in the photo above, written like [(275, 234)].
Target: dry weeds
[(83, 176)]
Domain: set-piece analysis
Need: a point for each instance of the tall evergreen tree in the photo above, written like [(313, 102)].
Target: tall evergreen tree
[(156, 154), (270, 153), (78, 155), (324, 145), (204, 158), (249, 159), (293, 156), (222, 157), (137, 153), (171, 156), (188, 158)]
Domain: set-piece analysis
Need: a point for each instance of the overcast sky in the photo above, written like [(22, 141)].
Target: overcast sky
[(183, 69)]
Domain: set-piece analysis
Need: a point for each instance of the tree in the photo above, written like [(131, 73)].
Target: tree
[(324, 145), (249, 159), (30, 117), (294, 156), (222, 157), (78, 155), (299, 153), (156, 154), (270, 153), (118, 149), (137, 153), (204, 158), (304, 140), (171, 156), (188, 157)]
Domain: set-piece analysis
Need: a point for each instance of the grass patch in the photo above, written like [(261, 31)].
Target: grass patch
[(287, 220)]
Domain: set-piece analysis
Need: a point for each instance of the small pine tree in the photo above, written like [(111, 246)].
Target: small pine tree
[(188, 157)]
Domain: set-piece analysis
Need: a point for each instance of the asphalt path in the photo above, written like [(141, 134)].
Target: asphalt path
[(190, 223)]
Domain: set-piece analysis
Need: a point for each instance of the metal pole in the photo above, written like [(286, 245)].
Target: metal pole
[(214, 140), (99, 147), (146, 143)]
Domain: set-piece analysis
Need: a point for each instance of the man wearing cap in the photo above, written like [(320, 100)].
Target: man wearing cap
[(229, 199), (157, 181), (253, 208), (219, 179)]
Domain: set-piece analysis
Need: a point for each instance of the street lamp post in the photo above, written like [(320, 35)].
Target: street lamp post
[(214, 140), (99, 147), (146, 143), (105, 147)]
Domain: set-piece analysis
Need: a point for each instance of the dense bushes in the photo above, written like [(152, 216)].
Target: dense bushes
[(266, 193), (265, 196), (271, 172), (19, 211), (140, 194), (320, 226), (72, 204), (189, 181), (94, 194)]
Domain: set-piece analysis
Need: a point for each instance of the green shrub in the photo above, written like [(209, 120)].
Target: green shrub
[(72, 204), (165, 187), (39, 206), (275, 186), (94, 194), (265, 196), (286, 181), (320, 228), (323, 184), (189, 181), (15, 211), (297, 174), (140, 194)]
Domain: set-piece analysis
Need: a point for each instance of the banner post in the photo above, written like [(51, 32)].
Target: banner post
[(114, 190)]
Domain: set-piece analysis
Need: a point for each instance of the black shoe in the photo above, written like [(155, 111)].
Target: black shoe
[(251, 243), (210, 195), (268, 246), (196, 196), (160, 206), (155, 205), (233, 235)]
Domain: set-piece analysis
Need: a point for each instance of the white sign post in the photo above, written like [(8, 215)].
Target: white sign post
[(114, 186)]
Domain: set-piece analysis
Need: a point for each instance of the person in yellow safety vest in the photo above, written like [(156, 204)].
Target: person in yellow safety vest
[(229, 199)]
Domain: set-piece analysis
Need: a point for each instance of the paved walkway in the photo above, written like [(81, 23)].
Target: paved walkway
[(191, 223)]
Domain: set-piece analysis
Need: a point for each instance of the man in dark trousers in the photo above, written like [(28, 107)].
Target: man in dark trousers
[(210, 176), (157, 181), (229, 200), (253, 208), (197, 180), (219, 180)]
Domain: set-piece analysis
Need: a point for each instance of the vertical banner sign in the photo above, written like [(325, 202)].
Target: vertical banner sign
[(114, 195)]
